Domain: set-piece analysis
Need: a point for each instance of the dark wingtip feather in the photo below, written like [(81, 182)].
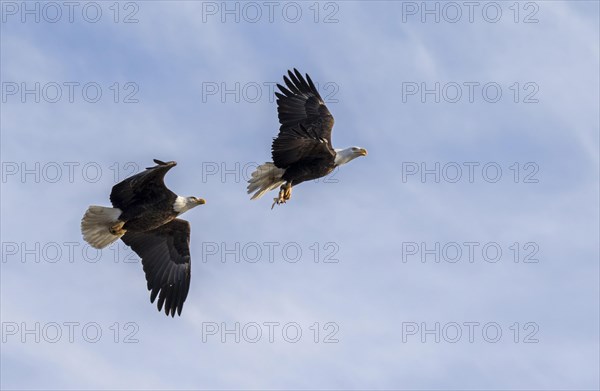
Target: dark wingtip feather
[(284, 90), (154, 294), (311, 84), (161, 299), (291, 85), (300, 82), (294, 79), (161, 163)]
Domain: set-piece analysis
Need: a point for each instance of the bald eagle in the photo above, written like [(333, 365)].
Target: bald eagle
[(144, 216), (302, 151)]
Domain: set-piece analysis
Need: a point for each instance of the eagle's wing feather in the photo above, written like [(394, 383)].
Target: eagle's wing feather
[(148, 184), (306, 123), (165, 254)]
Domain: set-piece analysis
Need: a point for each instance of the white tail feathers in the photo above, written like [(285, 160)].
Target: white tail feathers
[(96, 224), (266, 178)]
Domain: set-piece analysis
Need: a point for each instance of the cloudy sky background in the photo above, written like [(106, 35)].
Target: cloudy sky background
[(366, 213)]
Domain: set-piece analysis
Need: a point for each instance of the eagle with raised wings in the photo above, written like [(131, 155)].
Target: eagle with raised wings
[(144, 216), (302, 151)]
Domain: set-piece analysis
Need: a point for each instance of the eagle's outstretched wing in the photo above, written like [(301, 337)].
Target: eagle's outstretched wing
[(147, 185), (306, 122), (165, 254)]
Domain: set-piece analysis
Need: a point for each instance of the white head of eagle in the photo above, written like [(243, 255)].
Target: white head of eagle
[(343, 156), (302, 150), (183, 204)]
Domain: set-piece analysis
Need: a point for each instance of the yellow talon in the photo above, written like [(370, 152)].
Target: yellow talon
[(287, 193), (117, 229), (284, 194)]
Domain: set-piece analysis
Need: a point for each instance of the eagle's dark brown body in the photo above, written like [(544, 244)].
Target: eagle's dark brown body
[(144, 210), (155, 234), (308, 169)]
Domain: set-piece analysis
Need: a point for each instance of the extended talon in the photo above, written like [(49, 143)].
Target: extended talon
[(278, 200), (285, 193), (117, 229)]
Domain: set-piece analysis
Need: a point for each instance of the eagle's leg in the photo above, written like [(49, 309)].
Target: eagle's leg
[(117, 228), (285, 193)]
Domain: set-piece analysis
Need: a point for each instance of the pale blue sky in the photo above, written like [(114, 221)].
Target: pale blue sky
[(370, 218)]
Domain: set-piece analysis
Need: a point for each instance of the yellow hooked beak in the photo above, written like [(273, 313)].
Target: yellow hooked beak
[(363, 152), (201, 201)]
